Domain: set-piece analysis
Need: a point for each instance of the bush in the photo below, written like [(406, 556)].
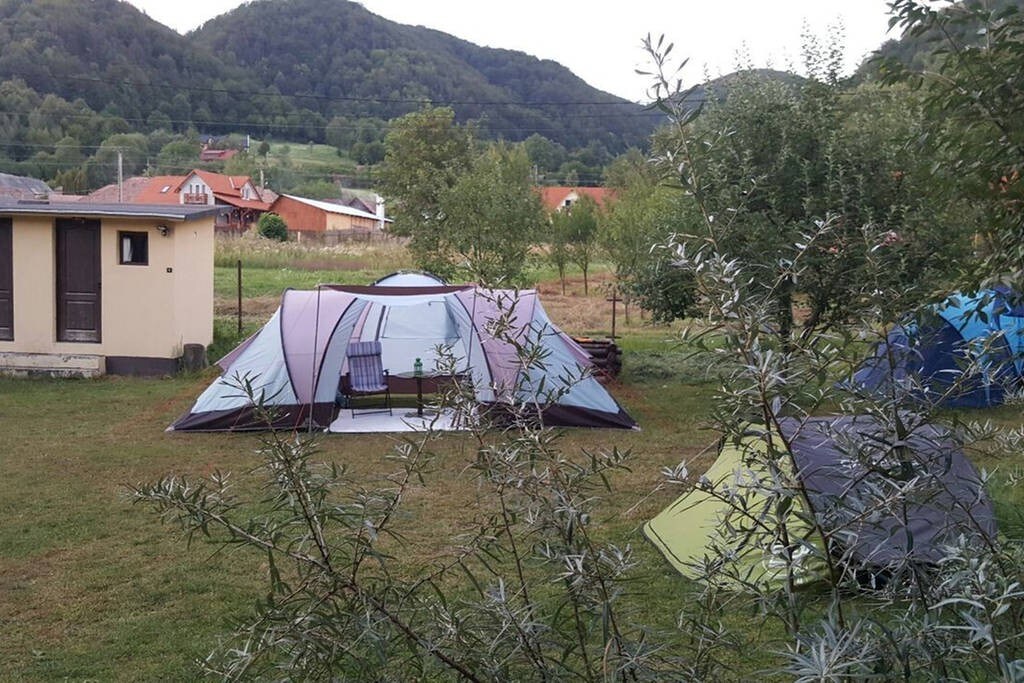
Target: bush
[(273, 227)]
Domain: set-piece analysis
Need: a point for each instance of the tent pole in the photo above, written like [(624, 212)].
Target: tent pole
[(313, 364), (472, 330)]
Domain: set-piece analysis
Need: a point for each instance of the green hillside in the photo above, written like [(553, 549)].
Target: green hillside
[(283, 69), (338, 58)]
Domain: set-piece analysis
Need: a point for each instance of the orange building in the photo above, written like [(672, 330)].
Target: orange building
[(317, 216)]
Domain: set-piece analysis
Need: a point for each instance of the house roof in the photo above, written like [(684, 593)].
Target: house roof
[(227, 189), (21, 186), (330, 207), (161, 189), (217, 154), (130, 191), (242, 203), (360, 204), (554, 196), (222, 184), (176, 212)]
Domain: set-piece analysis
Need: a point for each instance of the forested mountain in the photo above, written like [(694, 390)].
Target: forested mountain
[(340, 59), (717, 89), (118, 60), (915, 51), (327, 57)]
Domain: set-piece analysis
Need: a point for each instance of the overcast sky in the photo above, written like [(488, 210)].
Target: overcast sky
[(600, 42)]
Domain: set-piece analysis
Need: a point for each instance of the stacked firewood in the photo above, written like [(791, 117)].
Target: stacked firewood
[(606, 355)]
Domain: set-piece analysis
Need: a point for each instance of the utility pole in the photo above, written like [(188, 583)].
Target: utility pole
[(120, 177)]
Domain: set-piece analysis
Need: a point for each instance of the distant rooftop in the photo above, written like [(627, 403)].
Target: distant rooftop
[(108, 194), (331, 207), (22, 186), (555, 197)]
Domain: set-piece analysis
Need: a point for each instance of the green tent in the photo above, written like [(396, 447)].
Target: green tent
[(749, 514), (696, 529)]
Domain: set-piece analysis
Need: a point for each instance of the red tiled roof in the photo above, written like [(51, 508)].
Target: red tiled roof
[(554, 196), (223, 184), (217, 154), (130, 190), (154, 192), (166, 190), (242, 203)]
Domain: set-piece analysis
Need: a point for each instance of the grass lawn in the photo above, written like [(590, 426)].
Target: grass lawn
[(92, 588)]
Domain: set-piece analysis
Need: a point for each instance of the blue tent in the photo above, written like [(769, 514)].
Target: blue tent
[(931, 350)]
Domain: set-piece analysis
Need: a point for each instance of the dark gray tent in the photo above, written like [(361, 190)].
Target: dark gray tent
[(851, 471)]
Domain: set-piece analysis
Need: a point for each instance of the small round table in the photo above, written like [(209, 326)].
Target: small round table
[(419, 377)]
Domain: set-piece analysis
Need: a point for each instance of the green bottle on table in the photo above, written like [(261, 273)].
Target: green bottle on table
[(417, 367)]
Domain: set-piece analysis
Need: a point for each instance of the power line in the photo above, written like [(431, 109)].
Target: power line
[(353, 98), (355, 126)]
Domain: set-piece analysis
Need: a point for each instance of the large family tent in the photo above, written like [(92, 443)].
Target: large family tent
[(928, 355), (298, 359), (849, 468)]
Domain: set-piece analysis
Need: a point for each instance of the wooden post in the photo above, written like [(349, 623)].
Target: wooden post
[(614, 300), (239, 297)]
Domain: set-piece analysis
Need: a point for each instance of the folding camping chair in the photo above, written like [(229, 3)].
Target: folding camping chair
[(366, 375)]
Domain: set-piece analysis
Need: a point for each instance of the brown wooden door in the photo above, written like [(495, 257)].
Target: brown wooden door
[(78, 280), (6, 280)]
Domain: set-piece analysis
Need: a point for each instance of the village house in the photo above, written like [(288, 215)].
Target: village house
[(88, 289), (243, 202), (328, 221)]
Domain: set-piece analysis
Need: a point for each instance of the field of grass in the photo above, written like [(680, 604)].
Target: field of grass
[(92, 588), (320, 160)]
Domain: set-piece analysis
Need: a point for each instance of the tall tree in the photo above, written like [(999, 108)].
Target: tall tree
[(426, 153), (493, 216), (974, 97), (643, 214), (581, 235), (763, 168)]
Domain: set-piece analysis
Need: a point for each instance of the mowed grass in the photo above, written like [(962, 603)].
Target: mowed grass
[(93, 588)]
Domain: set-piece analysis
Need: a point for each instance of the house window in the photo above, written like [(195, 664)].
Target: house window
[(133, 248)]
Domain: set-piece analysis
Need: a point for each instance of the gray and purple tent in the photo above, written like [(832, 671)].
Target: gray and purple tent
[(298, 359)]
